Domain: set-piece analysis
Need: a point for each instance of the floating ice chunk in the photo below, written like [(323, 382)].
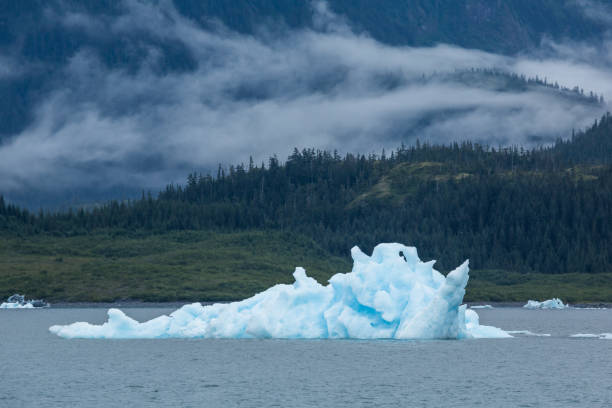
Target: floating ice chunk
[(19, 302), (12, 305), (477, 331), (391, 294), (585, 335), (528, 333), (602, 336), (554, 303), (481, 307)]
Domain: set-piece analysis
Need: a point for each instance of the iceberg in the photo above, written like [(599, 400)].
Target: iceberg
[(389, 295), (481, 307), (19, 302), (554, 303)]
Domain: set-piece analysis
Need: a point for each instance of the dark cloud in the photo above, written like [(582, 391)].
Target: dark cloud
[(595, 10), (258, 95)]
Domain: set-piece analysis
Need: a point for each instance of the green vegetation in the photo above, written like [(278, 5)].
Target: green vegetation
[(404, 179), (506, 286), (187, 265), (542, 214), (529, 211), (203, 266), (539, 219)]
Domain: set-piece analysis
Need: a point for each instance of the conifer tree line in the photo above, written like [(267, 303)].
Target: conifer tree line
[(546, 210)]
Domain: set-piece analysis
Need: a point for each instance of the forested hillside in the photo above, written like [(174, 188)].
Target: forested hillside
[(101, 97), (546, 210), (508, 26)]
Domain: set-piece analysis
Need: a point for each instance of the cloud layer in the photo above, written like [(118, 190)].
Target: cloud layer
[(265, 94)]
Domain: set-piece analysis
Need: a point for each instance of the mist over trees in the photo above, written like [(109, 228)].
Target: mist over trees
[(543, 210), (109, 97), (104, 97)]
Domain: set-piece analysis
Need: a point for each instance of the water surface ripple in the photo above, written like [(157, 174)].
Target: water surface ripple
[(41, 369)]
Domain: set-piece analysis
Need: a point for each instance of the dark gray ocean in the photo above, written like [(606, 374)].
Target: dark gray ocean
[(42, 370)]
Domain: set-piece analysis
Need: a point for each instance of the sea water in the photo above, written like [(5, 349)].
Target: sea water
[(41, 369)]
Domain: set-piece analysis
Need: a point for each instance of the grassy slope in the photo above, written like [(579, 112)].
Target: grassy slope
[(403, 179), (504, 286), (174, 266), (216, 266)]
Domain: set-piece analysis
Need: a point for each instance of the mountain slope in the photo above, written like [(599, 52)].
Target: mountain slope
[(38, 38), (498, 26), (545, 210)]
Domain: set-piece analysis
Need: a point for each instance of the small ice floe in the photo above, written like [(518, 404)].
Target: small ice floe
[(481, 307), (19, 302), (528, 333), (601, 336), (554, 303)]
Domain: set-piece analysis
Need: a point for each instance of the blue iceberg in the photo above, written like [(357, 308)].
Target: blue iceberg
[(389, 295), (554, 303)]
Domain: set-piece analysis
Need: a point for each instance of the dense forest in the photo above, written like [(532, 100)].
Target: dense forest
[(546, 210)]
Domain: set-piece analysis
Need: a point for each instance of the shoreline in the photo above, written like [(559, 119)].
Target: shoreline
[(135, 304), (578, 305), (130, 304)]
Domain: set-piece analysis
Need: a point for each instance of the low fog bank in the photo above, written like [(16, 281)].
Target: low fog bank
[(126, 129)]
